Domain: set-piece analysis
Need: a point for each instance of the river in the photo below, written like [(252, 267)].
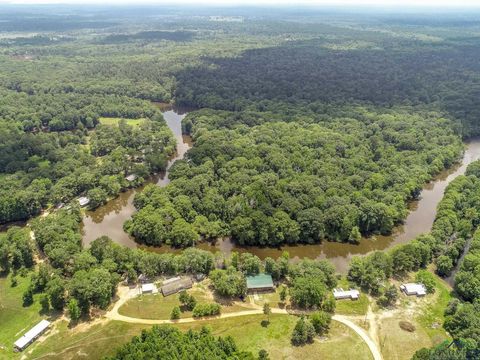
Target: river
[(108, 219)]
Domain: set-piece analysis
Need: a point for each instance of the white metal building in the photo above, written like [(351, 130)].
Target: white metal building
[(414, 289), (346, 294), (148, 288), (31, 335)]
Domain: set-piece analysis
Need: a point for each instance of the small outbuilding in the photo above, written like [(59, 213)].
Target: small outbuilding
[(148, 288), (260, 282), (416, 289), (172, 286), (351, 294), (31, 335), (83, 201), (131, 177)]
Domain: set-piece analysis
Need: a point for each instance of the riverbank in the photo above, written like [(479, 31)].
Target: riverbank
[(108, 220)]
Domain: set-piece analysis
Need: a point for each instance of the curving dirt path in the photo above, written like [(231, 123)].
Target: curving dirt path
[(125, 294), (377, 355)]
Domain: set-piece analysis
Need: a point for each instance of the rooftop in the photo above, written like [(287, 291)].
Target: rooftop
[(175, 286), (259, 281), (343, 294), (414, 288), (31, 334), (83, 201), (148, 287)]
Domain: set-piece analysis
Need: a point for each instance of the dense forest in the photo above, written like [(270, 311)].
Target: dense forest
[(54, 147), (46, 167), (457, 236), (306, 128), (270, 180), (166, 342), (445, 76), (454, 234)]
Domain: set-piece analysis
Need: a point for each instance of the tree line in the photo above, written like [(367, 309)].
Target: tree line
[(50, 168), (293, 179)]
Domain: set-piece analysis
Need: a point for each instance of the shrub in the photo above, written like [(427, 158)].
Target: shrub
[(28, 297), (206, 310), (188, 301), (45, 303), (74, 309), (175, 315), (427, 279), (321, 321), (303, 333), (389, 297)]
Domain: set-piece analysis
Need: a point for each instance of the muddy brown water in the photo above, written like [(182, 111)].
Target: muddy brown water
[(108, 219)]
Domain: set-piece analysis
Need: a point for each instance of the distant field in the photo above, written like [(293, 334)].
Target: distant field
[(102, 340), (114, 121), (15, 319)]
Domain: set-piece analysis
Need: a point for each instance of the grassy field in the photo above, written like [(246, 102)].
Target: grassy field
[(352, 307), (349, 307), (15, 319), (102, 339), (272, 298), (425, 314), (432, 315), (114, 121), (156, 306)]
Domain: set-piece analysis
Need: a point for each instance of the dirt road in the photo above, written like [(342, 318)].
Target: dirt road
[(125, 294)]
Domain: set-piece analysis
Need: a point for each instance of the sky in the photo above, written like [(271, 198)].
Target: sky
[(382, 3)]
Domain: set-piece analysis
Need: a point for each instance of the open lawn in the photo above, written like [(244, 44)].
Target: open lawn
[(432, 317), (425, 314), (114, 121), (15, 319), (349, 307), (273, 298), (352, 307), (156, 306), (102, 339)]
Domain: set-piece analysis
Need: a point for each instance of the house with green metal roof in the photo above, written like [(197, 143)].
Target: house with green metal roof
[(260, 282)]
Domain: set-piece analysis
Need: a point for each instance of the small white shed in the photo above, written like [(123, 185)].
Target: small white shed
[(414, 289), (340, 294), (148, 288)]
